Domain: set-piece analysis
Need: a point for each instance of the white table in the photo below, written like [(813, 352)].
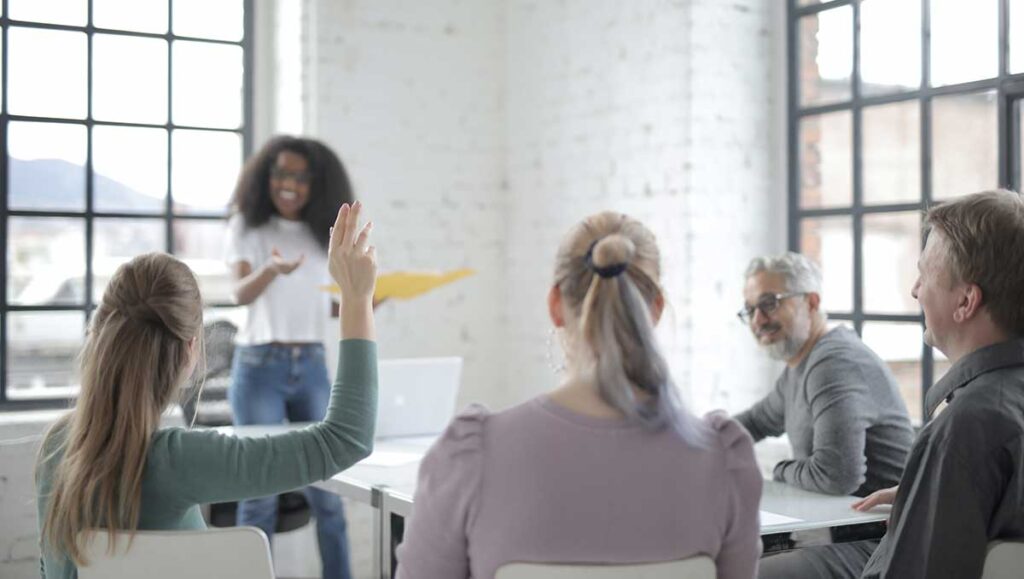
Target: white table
[(394, 462), (803, 509), (386, 481)]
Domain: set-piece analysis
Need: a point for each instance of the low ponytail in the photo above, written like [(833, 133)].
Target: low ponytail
[(612, 286)]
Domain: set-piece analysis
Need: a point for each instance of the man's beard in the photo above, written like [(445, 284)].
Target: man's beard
[(788, 347)]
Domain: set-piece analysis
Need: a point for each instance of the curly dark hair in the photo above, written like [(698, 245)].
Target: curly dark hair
[(329, 186)]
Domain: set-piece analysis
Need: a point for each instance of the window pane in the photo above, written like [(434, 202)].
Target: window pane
[(965, 144), (135, 15), (42, 351), (890, 46), (1019, 169), (199, 243), (207, 85), (891, 158), (826, 163), (223, 20), (47, 165), (964, 45), (826, 56), (117, 58), (829, 241), (71, 12), (47, 74), (892, 244), (46, 261), (899, 344), (204, 167), (116, 241), (1016, 37), (129, 169)]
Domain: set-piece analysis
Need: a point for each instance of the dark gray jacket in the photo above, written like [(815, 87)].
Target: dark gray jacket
[(964, 481)]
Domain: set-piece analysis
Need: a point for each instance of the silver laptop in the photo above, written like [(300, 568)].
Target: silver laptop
[(416, 395)]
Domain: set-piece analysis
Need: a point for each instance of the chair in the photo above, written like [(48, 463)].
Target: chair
[(701, 567), (1004, 561), (237, 553)]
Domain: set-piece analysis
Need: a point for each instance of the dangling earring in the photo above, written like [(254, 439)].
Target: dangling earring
[(557, 366)]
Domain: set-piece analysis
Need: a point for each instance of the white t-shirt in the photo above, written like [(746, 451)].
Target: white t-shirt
[(292, 308)]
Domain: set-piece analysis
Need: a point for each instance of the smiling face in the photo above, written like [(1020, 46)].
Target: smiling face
[(289, 184), (783, 332), (936, 291)]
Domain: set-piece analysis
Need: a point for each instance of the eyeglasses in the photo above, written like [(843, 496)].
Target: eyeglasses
[(768, 304), (300, 177)]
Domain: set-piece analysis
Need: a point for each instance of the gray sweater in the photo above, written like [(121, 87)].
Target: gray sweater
[(846, 422)]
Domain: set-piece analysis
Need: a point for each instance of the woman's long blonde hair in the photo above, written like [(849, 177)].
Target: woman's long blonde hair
[(608, 271), (136, 355)]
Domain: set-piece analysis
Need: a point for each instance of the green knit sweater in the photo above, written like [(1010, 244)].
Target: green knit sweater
[(187, 468)]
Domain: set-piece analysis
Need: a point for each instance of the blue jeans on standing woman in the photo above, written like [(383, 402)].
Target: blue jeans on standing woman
[(271, 383)]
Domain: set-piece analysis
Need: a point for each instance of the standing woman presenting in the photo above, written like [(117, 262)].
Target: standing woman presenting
[(276, 245)]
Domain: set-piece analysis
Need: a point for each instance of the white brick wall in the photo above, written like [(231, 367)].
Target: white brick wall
[(667, 111), (410, 93)]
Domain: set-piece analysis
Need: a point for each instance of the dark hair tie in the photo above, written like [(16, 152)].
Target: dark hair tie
[(608, 271)]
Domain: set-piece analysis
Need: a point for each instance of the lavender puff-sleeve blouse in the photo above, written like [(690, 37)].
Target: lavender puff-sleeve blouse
[(541, 483)]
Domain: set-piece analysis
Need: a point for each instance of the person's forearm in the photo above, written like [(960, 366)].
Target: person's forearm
[(252, 286), (357, 319)]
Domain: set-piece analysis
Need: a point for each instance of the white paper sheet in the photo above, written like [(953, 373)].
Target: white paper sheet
[(386, 458), (768, 519)]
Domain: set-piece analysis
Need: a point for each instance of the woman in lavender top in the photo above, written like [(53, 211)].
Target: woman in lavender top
[(608, 468)]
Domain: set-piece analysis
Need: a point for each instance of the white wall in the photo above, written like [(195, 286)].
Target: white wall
[(411, 95), (478, 132), (667, 111)]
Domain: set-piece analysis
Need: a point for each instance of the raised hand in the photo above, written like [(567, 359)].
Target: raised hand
[(284, 266), (352, 263)]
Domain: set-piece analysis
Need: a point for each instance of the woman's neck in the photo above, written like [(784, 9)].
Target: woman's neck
[(581, 396)]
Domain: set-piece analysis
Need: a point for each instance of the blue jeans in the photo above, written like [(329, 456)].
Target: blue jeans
[(271, 383)]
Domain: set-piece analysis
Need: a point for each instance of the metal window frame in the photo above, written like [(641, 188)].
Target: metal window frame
[(167, 215), (1009, 89)]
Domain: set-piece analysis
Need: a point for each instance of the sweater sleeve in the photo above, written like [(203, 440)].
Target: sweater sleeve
[(837, 465), (213, 467), (767, 417), (741, 544), (435, 544)]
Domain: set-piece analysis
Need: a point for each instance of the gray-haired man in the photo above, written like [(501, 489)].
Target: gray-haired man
[(836, 399)]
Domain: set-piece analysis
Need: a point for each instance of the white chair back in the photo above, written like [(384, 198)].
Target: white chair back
[(231, 553), (1005, 560), (693, 568)]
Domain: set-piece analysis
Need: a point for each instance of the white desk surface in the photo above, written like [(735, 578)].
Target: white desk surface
[(394, 463), (803, 509)]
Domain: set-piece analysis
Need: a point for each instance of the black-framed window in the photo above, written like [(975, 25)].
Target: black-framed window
[(123, 125), (894, 105)]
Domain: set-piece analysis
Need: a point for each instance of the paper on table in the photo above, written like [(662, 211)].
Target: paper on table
[(390, 458), (768, 519), (403, 285)]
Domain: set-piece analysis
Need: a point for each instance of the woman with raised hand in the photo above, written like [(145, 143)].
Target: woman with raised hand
[(608, 468), (276, 247), (108, 464)]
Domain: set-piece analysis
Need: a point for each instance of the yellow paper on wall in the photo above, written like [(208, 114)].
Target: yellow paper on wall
[(404, 285)]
